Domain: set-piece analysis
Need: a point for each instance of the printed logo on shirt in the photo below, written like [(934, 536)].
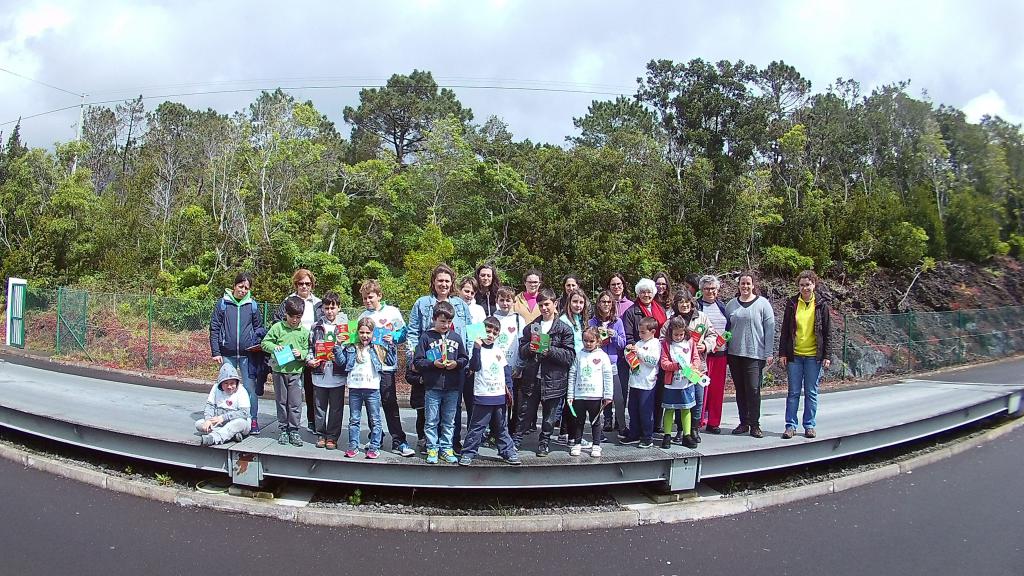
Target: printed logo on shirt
[(596, 361)]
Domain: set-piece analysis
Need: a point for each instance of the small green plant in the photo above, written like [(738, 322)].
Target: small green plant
[(356, 497), (129, 470), (500, 509), (163, 479)]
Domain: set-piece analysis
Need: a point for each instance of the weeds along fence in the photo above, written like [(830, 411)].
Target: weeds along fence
[(170, 336)]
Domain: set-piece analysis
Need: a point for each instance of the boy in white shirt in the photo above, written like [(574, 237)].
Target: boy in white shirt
[(226, 416), (328, 378), (646, 353), (512, 325), (590, 390), (491, 393)]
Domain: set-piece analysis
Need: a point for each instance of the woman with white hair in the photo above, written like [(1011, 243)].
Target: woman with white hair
[(645, 306), (712, 306)]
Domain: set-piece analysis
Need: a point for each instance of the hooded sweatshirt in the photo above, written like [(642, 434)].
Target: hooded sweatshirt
[(229, 406), (234, 325)]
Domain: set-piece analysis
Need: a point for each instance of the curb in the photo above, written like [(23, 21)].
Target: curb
[(699, 508)]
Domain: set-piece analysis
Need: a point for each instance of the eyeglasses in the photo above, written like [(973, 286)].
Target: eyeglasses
[(604, 302), (304, 283), (533, 281)]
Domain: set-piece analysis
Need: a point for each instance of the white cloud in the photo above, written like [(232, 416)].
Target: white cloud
[(990, 103)]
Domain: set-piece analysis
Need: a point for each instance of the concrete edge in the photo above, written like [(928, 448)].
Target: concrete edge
[(639, 515)]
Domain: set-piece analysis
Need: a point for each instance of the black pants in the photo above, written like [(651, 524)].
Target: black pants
[(389, 405), (746, 375), (529, 399), (588, 412), (659, 393), (309, 393), (416, 401), (513, 416), (549, 414)]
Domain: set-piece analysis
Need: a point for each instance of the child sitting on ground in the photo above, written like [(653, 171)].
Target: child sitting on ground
[(226, 416)]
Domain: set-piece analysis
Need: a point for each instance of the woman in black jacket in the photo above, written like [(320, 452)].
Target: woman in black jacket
[(805, 351), (545, 370), (235, 326)]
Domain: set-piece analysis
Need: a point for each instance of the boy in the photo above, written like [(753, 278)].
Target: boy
[(328, 377), (647, 350), (441, 360), (226, 416), (388, 318), (511, 331), (491, 390), (590, 390), (288, 376), (547, 350)]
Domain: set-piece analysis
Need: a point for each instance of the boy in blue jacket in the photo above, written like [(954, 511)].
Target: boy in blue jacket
[(441, 359)]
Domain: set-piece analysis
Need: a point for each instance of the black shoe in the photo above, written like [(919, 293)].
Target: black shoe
[(689, 442), (542, 450), (608, 427), (666, 441), (755, 431), (741, 429), (712, 429), (678, 439), (696, 436)]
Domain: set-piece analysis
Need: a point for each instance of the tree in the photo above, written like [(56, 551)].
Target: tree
[(605, 118), (400, 114)]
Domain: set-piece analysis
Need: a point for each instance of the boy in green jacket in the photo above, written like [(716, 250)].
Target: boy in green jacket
[(285, 337)]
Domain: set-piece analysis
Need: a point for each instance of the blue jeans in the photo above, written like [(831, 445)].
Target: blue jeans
[(641, 414), (440, 409), (804, 374), (357, 398), (241, 363)]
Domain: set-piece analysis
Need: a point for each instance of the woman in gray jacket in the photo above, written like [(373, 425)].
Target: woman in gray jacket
[(753, 338)]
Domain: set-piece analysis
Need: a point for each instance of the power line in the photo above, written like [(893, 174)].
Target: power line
[(41, 83), (327, 87)]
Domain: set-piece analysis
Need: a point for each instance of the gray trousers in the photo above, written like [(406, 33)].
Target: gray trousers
[(330, 404), (288, 394), (226, 431)]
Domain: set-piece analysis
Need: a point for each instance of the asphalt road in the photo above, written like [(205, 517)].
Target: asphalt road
[(964, 515)]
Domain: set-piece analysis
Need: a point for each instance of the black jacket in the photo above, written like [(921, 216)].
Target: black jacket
[(631, 323), (234, 328), (433, 377), (822, 329), (549, 371)]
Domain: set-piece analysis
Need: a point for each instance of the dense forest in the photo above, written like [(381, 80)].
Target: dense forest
[(709, 167)]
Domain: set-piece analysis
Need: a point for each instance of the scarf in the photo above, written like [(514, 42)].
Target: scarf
[(655, 310)]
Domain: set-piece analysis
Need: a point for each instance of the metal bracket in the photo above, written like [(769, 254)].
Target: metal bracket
[(682, 475), (246, 468)]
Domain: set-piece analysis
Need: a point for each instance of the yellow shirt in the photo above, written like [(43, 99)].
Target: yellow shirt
[(805, 344)]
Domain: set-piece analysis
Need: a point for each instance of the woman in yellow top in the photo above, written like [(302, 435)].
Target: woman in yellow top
[(805, 350)]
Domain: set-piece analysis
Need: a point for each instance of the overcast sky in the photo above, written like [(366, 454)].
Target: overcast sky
[(964, 54)]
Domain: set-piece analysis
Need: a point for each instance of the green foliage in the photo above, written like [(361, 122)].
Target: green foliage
[(785, 261), (903, 246), (972, 227)]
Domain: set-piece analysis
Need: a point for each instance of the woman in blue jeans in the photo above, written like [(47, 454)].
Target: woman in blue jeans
[(235, 326), (805, 350)]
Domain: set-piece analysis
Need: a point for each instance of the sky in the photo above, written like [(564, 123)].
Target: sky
[(552, 58)]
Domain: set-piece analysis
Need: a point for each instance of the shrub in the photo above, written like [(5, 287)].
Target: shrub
[(972, 229), (903, 245), (785, 260)]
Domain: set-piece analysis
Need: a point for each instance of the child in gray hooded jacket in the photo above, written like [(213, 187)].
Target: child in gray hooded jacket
[(226, 416)]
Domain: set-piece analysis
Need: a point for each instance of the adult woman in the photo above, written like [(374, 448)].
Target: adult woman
[(805, 350), (525, 303), (663, 289), (606, 318), (617, 286), (712, 306), (645, 305), (304, 282), (570, 283), (487, 284), (753, 337), (236, 325), (421, 316)]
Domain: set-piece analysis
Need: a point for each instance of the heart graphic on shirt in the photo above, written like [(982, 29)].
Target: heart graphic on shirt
[(511, 329), (228, 402), (382, 321), (596, 361)]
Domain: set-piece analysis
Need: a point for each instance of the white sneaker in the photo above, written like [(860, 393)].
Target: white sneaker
[(595, 452), (575, 450), (586, 444)]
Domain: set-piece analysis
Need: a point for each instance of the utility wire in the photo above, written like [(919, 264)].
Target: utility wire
[(41, 83)]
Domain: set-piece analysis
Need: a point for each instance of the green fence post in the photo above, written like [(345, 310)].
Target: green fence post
[(960, 337), (149, 335), (60, 302), (846, 330)]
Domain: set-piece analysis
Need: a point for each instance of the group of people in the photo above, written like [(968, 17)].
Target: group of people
[(652, 365)]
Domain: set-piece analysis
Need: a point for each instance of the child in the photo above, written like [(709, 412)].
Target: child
[(364, 362), (590, 390), (226, 416), (491, 392), (511, 331), (678, 351), (647, 350), (441, 360), (576, 315), (328, 378), (467, 291), (684, 306), (388, 318), (288, 376), (547, 352), (606, 320)]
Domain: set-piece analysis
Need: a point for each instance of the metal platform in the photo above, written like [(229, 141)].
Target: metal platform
[(156, 424)]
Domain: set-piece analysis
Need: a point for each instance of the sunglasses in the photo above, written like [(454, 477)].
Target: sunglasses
[(303, 283)]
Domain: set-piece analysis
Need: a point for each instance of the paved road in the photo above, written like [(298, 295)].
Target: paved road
[(961, 516)]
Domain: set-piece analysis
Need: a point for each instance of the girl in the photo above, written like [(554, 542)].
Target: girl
[(467, 291), (363, 362), (590, 390), (678, 353), (487, 285), (683, 306), (607, 321), (569, 283), (577, 316)]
